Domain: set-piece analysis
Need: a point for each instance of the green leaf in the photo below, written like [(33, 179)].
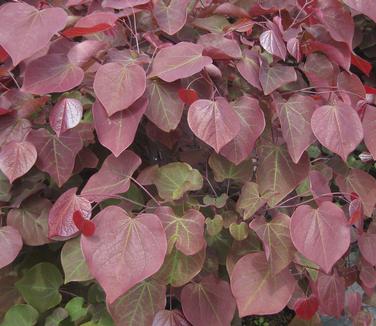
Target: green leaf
[(174, 179), (40, 286), (178, 269), (239, 231), (76, 309), (73, 262), (218, 202), (4, 188), (57, 316), (20, 315), (214, 225), (224, 169), (249, 201)]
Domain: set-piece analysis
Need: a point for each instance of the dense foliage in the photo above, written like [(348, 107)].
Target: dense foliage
[(178, 162)]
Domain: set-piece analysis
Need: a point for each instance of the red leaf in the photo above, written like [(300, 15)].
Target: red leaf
[(305, 308), (80, 31), (188, 96), (367, 244), (4, 111), (10, 243), (78, 219), (88, 228), (363, 65), (331, 294), (3, 54), (356, 211), (370, 89)]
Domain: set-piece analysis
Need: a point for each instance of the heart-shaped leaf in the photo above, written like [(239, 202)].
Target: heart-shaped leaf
[(252, 124), (170, 15), (367, 244), (66, 114), (259, 292), (226, 170), (113, 82), (275, 236), (338, 128), (60, 217), (179, 61), (169, 318), (213, 296), (56, 155), (52, 73), (174, 179), (186, 233), (25, 30), (139, 305), (306, 308), (276, 76), (17, 158), (113, 177), (322, 235), (124, 251), (40, 286), (20, 315), (165, 108), (11, 244), (214, 122), (249, 201), (118, 131)]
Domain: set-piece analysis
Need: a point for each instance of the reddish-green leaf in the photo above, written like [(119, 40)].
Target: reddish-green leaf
[(277, 174), (139, 305), (249, 201), (185, 232), (275, 236)]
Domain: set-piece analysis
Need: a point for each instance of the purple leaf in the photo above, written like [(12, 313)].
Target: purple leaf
[(179, 61), (366, 7), (252, 124), (83, 52), (118, 131), (113, 82), (338, 128), (66, 114), (17, 158), (295, 117), (249, 68), (214, 122), (13, 129), (219, 47), (124, 251), (60, 218), (56, 155), (275, 77), (26, 30), (272, 41), (322, 235), (170, 15), (165, 108), (121, 4), (52, 73), (11, 245), (113, 177)]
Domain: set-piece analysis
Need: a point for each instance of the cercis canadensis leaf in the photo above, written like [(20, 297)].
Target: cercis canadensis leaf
[(188, 96), (185, 232), (66, 114), (170, 15), (214, 122), (60, 220), (169, 318), (17, 158), (124, 251), (259, 292), (117, 86), (113, 177), (11, 244), (322, 235), (179, 61), (213, 296), (174, 179), (338, 128), (87, 227), (117, 132), (305, 308), (25, 30)]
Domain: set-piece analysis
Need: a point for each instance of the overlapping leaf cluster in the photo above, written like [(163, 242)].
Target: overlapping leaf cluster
[(223, 152)]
